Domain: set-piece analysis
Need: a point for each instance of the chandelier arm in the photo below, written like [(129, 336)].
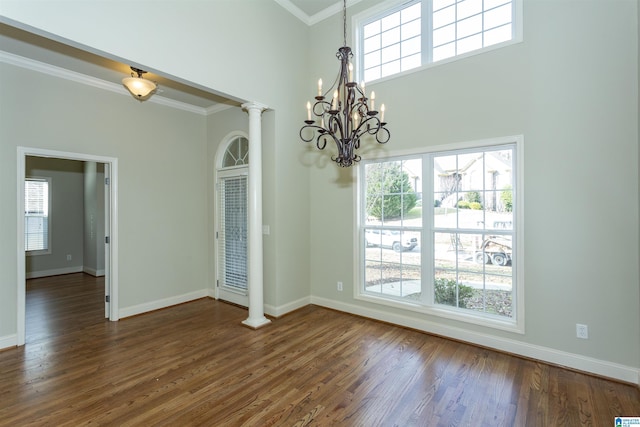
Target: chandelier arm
[(373, 125), (387, 135), (311, 126), (324, 106), (321, 140), (335, 125), (381, 133)]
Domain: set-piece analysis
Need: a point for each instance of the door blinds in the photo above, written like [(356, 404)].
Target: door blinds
[(232, 237)]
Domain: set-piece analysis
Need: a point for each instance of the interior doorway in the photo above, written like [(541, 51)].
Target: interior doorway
[(107, 235)]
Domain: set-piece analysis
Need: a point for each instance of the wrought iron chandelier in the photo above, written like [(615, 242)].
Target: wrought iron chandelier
[(347, 116)]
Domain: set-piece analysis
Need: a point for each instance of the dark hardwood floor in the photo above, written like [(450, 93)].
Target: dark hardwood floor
[(195, 364)]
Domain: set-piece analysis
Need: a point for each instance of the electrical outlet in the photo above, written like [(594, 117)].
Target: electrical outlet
[(582, 331), (340, 286)]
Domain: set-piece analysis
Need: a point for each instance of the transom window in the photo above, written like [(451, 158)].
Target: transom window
[(237, 153), (401, 37), (392, 43), (438, 234), (463, 26)]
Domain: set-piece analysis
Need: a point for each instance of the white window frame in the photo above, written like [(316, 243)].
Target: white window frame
[(361, 19), (426, 304), (47, 250)]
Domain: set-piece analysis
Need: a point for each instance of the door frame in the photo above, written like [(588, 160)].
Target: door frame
[(239, 298), (111, 224)]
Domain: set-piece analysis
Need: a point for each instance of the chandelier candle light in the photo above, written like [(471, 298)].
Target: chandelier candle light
[(347, 116)]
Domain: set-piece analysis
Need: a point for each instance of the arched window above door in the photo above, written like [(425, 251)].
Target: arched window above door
[(237, 153)]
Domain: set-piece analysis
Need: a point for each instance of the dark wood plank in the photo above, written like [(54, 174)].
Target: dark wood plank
[(195, 364)]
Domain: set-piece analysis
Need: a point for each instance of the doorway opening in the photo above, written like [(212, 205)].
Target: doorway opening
[(103, 255)]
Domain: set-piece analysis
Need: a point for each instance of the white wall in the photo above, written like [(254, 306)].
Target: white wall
[(571, 88)]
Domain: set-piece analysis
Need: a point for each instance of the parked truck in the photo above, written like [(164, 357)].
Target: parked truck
[(495, 250)]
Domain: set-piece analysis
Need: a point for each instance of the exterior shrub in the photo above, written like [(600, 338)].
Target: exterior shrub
[(476, 206), (445, 292), (473, 196), (462, 204)]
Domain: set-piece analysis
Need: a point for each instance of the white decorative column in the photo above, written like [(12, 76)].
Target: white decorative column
[(256, 292)]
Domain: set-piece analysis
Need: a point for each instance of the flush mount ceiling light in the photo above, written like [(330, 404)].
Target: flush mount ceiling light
[(347, 115), (140, 88)]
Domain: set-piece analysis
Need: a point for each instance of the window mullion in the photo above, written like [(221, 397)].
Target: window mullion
[(427, 32), (427, 258)]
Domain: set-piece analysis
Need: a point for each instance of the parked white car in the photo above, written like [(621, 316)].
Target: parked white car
[(389, 239)]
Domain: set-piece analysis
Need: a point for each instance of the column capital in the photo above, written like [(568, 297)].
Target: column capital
[(254, 106)]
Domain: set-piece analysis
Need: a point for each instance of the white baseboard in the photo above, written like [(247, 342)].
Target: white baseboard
[(93, 271), (286, 308), (8, 341), (163, 303), (603, 368), (54, 272)]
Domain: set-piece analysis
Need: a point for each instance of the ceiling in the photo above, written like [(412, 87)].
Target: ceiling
[(29, 50)]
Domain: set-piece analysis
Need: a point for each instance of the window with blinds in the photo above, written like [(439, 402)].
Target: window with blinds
[(36, 215), (232, 237)]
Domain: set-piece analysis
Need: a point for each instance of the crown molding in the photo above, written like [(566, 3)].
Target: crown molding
[(294, 10), (318, 17), (217, 108), (52, 70)]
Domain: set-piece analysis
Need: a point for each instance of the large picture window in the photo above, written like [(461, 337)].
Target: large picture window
[(36, 215), (439, 232)]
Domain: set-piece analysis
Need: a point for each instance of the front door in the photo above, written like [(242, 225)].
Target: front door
[(232, 239)]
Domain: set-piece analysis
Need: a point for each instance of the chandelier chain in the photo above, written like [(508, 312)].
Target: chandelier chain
[(344, 22)]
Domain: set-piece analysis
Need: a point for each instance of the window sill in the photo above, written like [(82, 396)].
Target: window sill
[(489, 321), (37, 253)]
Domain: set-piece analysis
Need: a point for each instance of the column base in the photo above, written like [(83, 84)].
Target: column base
[(256, 323)]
